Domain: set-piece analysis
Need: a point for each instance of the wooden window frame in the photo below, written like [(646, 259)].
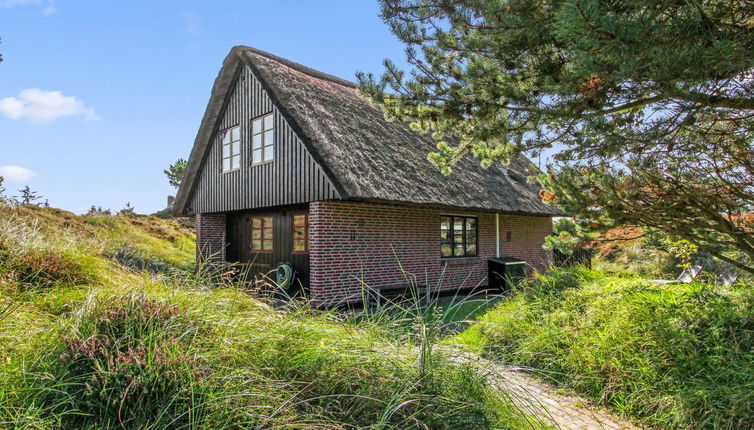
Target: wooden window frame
[(263, 142), (450, 240), (293, 232), (263, 250), (231, 154)]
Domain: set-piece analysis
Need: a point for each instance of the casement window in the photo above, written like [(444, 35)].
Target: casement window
[(262, 139), (300, 233), (458, 236), (231, 149), (261, 234)]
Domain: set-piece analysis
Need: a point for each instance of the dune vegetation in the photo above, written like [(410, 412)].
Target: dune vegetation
[(105, 324), (676, 356)]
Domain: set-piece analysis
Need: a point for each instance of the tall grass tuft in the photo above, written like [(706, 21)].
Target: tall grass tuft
[(675, 356)]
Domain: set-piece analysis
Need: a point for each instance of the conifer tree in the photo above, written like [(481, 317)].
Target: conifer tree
[(28, 196), (647, 106), (175, 172)]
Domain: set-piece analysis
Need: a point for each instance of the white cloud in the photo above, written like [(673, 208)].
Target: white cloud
[(49, 5), (38, 105), (192, 21), (17, 173), (14, 3), (50, 8)]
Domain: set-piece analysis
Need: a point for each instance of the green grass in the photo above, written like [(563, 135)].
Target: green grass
[(109, 339), (675, 356)]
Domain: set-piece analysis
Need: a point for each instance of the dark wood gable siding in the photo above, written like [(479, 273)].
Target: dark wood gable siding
[(293, 177)]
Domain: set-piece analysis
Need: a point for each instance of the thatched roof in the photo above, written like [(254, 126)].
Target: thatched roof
[(366, 157)]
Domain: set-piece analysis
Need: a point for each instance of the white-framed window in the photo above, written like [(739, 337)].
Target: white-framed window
[(231, 150), (262, 139)]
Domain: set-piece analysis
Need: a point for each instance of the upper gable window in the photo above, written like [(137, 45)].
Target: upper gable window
[(231, 151), (262, 139)]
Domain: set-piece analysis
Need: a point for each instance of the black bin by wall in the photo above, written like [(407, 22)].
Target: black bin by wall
[(502, 272)]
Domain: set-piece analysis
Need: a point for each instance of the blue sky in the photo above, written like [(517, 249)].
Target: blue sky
[(98, 97)]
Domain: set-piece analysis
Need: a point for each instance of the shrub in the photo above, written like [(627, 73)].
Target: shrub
[(129, 366), (44, 268)]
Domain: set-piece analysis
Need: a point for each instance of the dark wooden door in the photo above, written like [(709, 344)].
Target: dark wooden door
[(264, 263)]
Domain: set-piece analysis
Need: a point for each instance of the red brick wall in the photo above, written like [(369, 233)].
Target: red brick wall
[(381, 245), (210, 238)]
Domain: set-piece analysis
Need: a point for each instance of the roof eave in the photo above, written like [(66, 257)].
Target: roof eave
[(554, 212)]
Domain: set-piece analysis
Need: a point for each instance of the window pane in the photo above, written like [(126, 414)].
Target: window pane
[(256, 233), (269, 137), (268, 120), (458, 238), (235, 133), (267, 234), (226, 164), (226, 137), (256, 222), (458, 250), (443, 236), (236, 147), (267, 245), (445, 223), (299, 245), (299, 220), (256, 156), (256, 126), (445, 250), (268, 153), (236, 162), (471, 224), (256, 244), (457, 224), (256, 141), (226, 151), (471, 249), (471, 234), (268, 222)]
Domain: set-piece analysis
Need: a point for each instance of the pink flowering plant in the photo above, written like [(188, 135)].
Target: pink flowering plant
[(131, 363)]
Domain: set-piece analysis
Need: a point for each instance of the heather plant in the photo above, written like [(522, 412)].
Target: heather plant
[(126, 366), (29, 263), (46, 269)]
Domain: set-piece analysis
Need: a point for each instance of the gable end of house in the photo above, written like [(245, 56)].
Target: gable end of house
[(291, 176)]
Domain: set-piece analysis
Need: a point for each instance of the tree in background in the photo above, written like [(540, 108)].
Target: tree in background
[(568, 235), (97, 210), (127, 211), (175, 172), (2, 190), (28, 196), (648, 106)]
